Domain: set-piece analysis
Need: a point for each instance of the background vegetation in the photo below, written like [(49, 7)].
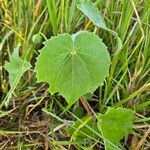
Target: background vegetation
[(23, 124)]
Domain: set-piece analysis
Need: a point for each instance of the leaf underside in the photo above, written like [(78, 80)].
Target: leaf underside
[(73, 65), (115, 124)]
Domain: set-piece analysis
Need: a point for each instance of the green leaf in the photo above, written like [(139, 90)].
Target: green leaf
[(16, 67), (115, 124), (73, 65), (88, 8)]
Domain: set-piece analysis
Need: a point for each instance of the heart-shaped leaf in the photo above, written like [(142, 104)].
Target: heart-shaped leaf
[(73, 65)]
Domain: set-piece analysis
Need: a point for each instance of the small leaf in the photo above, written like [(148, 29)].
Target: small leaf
[(16, 67), (73, 65), (115, 124), (88, 8)]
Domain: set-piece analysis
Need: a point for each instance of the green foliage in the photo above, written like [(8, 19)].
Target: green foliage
[(128, 82), (76, 131), (78, 111), (36, 38), (53, 15), (16, 67), (115, 124), (88, 8), (73, 65)]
